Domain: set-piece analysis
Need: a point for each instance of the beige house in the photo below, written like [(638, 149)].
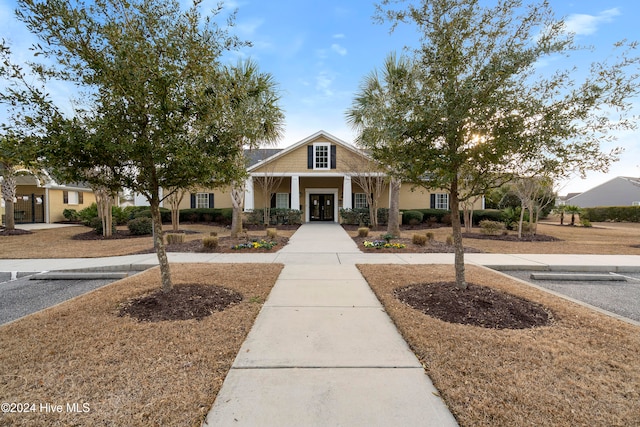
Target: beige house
[(42, 200), (317, 176)]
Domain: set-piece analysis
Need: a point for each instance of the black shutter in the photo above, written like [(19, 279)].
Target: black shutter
[(65, 197), (309, 156), (193, 201), (290, 207), (433, 201), (273, 200), (211, 200), (80, 198), (333, 157), (353, 200)]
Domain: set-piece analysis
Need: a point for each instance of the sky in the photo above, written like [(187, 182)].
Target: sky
[(319, 52)]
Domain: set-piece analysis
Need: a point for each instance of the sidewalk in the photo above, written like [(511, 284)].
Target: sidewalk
[(323, 351)]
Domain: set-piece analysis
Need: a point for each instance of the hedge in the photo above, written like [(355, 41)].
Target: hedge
[(219, 215), (276, 216), (444, 216), (612, 213), (412, 217)]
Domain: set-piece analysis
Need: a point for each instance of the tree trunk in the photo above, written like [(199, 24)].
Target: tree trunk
[(158, 243), (373, 212), (175, 219), (9, 194), (457, 237), (520, 221), (393, 227), (237, 197)]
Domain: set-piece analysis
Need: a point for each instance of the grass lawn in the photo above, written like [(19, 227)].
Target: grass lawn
[(128, 373), (583, 369)]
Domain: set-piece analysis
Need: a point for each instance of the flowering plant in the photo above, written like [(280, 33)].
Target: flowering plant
[(255, 245), (383, 244)]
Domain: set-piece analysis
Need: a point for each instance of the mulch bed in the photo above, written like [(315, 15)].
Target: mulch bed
[(225, 245), (432, 246), (512, 237), (475, 305), (119, 234), (183, 302)]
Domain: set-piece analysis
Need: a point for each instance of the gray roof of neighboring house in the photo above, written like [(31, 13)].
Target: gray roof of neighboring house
[(618, 191)]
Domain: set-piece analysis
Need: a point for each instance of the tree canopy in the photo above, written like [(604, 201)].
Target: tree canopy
[(475, 109), (156, 96)]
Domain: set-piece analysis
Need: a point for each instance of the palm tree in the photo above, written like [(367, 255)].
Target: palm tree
[(573, 210), (378, 114), (254, 118)]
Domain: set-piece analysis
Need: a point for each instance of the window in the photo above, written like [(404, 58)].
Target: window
[(282, 200), (321, 156), (202, 200), (442, 201), (635, 203), (360, 201), (72, 198)]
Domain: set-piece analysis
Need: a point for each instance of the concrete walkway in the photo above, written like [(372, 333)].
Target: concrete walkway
[(323, 351)]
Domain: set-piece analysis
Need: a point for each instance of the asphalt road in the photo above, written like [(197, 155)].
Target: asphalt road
[(21, 297), (622, 298)]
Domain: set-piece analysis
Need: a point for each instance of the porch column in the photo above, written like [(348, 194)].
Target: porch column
[(248, 194), (346, 193), (295, 192)]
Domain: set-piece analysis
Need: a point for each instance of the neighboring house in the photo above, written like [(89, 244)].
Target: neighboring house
[(43, 200), (619, 191), (317, 178)]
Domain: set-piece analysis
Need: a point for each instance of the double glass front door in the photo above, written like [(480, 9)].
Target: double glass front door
[(321, 207)]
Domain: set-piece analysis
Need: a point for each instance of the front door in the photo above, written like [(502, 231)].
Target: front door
[(321, 207)]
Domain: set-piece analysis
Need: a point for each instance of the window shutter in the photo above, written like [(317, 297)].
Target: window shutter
[(309, 156), (211, 200), (273, 200), (65, 197), (333, 157), (193, 201), (433, 201), (353, 200), (80, 198), (290, 207)]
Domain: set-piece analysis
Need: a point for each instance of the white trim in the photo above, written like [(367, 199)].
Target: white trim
[(310, 174), (346, 192), (326, 146), (309, 191), (295, 192)]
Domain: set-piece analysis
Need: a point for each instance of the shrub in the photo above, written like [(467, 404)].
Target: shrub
[(140, 226), (450, 240), (272, 233), (585, 222), (429, 236), (612, 213), (88, 214), (355, 216), (276, 216), (96, 224), (71, 214), (387, 237), (145, 212), (419, 239), (412, 217), (175, 238), (492, 228), (363, 232), (210, 242), (383, 216), (119, 215), (213, 233), (446, 219)]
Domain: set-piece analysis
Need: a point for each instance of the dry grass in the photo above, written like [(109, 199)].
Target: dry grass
[(58, 243), (129, 373), (582, 370), (602, 238)]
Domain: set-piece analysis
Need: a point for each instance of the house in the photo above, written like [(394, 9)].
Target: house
[(316, 176), (42, 200), (619, 191)]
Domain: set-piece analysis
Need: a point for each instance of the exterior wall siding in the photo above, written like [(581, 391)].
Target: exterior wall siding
[(616, 192)]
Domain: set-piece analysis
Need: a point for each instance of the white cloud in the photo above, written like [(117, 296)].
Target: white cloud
[(324, 82), (248, 27), (582, 24), (338, 36), (339, 49)]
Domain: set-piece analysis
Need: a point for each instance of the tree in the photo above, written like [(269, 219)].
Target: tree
[(23, 101), (479, 108), (367, 174), (377, 112), (268, 182), (254, 118), (156, 96)]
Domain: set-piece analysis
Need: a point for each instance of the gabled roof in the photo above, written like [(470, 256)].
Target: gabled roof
[(283, 152), (259, 154), (631, 180)]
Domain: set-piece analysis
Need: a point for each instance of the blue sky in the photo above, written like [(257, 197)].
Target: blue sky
[(319, 52)]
